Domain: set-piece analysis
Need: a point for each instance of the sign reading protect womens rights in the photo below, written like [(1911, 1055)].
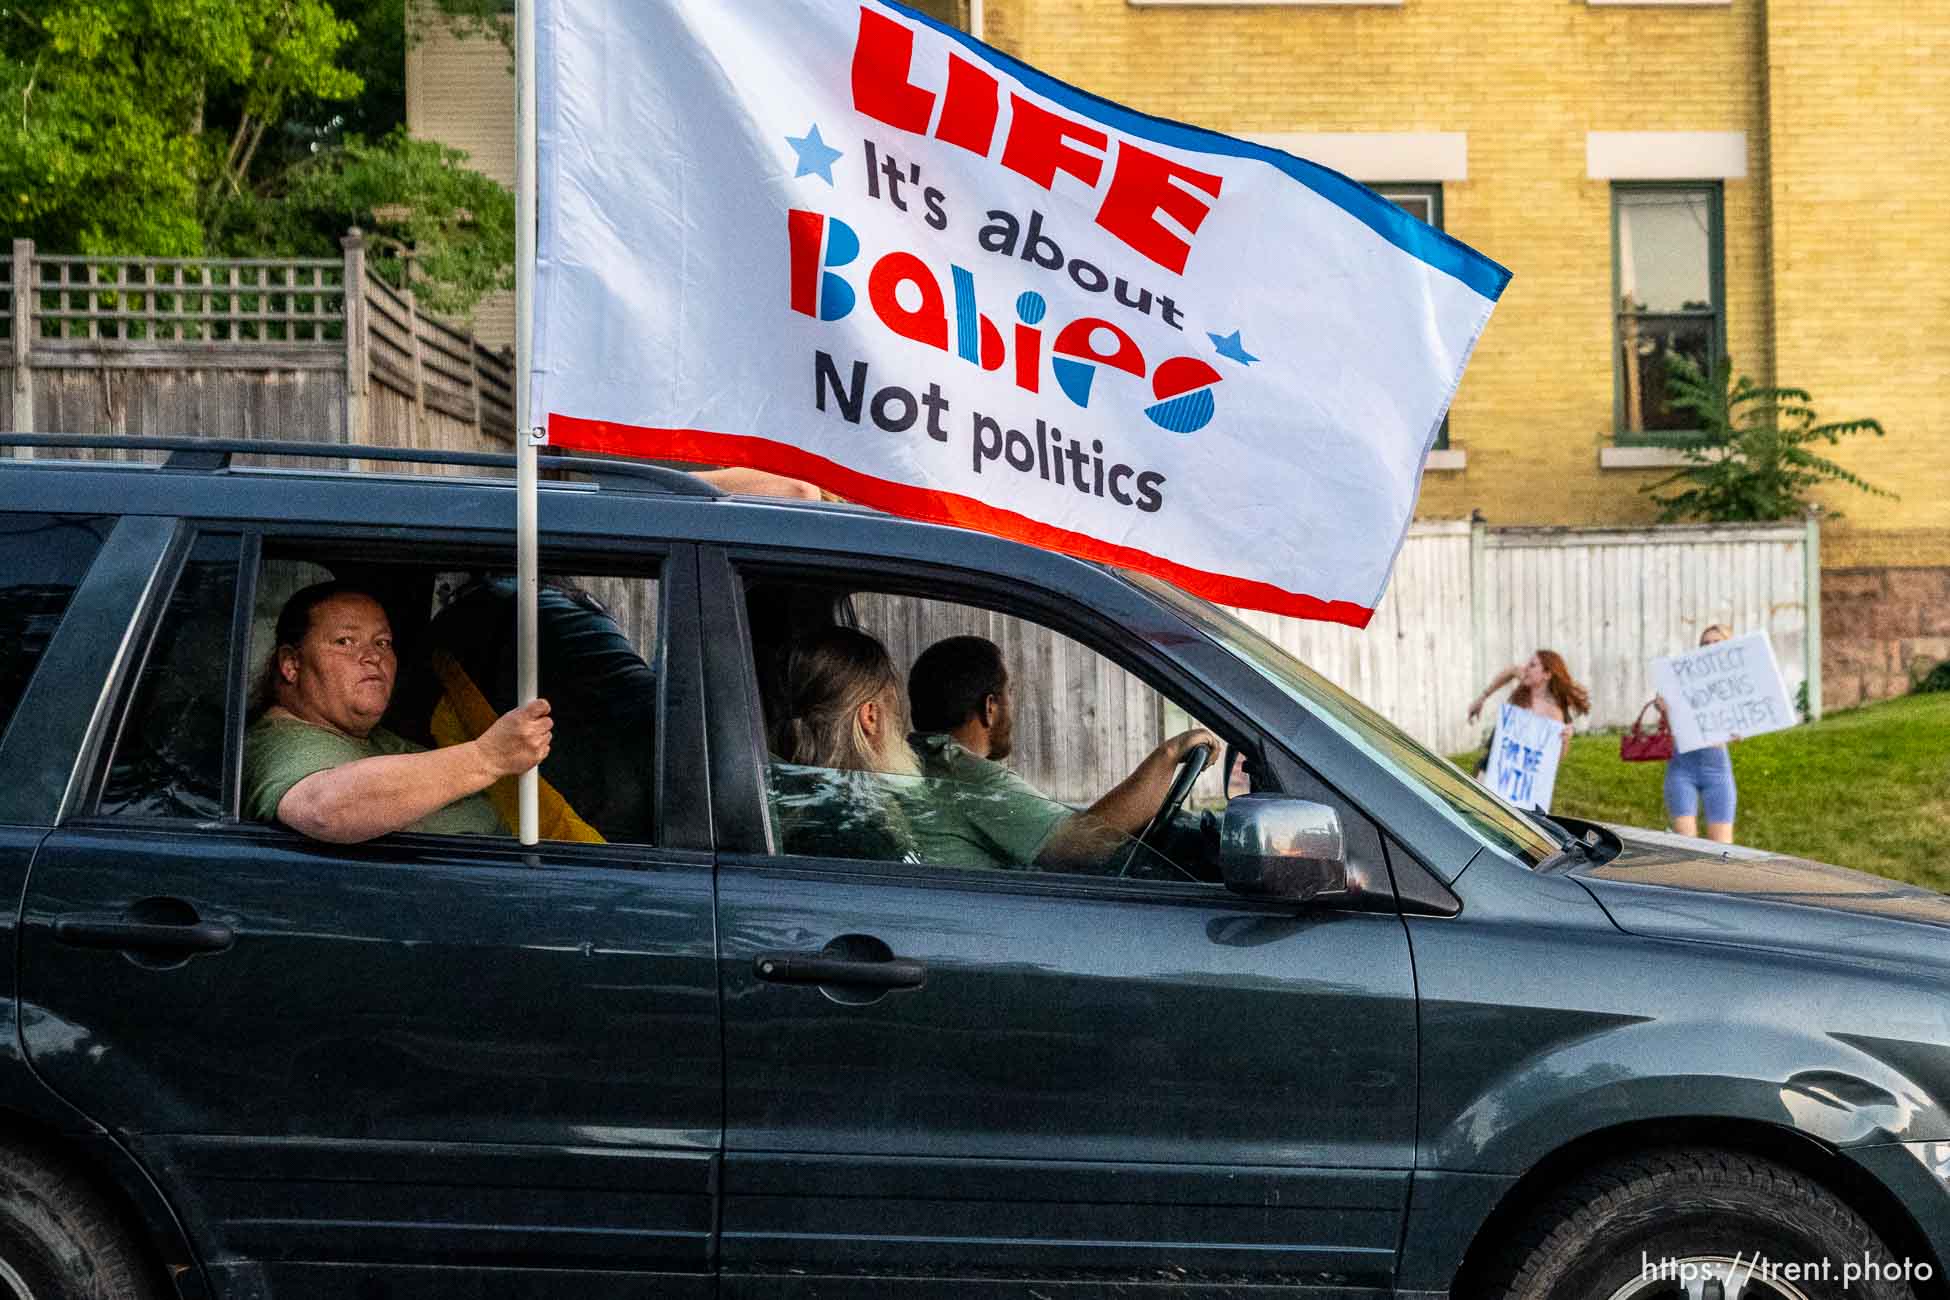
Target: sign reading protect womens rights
[(1524, 754), (834, 240), (1729, 689)]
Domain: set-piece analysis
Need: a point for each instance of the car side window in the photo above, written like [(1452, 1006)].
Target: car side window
[(597, 642), (168, 758), (1021, 749), (42, 560), (453, 637)]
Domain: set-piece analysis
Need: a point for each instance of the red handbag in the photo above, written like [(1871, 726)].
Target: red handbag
[(1641, 746)]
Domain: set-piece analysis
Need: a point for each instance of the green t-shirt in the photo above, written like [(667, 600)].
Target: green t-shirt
[(279, 752), (974, 812), (828, 813)]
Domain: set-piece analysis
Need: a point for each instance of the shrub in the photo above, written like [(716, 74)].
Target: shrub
[(1752, 456), (1937, 679)]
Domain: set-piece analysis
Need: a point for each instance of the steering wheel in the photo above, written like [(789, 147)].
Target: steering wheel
[(1182, 781)]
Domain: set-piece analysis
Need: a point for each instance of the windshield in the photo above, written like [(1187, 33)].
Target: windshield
[(1438, 781)]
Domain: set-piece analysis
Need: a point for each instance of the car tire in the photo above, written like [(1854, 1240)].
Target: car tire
[(59, 1240), (1720, 1212)]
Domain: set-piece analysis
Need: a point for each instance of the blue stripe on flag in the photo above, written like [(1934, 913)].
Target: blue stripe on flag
[(968, 344), (1425, 243), (1184, 413)]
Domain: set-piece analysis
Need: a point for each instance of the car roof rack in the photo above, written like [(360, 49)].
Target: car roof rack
[(212, 455)]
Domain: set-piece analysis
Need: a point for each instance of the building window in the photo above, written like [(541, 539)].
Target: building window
[(951, 13), (1667, 256), (1424, 202)]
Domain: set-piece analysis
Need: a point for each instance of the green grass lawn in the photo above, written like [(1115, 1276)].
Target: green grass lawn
[(1866, 788)]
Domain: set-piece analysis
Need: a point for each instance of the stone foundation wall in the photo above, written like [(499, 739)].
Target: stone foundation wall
[(1880, 629)]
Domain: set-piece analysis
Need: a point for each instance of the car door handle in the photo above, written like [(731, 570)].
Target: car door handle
[(817, 968), (147, 936)]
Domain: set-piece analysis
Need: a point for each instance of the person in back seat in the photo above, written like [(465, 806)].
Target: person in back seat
[(317, 758), (603, 697)]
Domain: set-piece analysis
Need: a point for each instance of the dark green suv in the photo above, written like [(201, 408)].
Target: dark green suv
[(1339, 1024)]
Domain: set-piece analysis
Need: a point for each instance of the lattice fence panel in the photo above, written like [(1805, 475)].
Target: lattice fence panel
[(189, 300)]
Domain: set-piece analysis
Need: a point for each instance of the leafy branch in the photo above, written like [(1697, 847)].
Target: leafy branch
[(1754, 456)]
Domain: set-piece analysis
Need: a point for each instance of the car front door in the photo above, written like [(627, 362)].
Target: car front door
[(1019, 1074), (419, 1065)]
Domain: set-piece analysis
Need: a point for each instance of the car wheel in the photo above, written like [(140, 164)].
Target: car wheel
[(58, 1241), (1697, 1225)]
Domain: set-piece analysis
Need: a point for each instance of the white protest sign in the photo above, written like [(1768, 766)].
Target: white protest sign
[(1731, 688), (1523, 757), (836, 240)]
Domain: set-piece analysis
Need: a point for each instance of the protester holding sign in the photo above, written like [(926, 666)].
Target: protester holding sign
[(1709, 700), (1544, 687), (1701, 776)]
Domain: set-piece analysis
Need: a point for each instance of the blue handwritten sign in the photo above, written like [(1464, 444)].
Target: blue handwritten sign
[(1523, 757)]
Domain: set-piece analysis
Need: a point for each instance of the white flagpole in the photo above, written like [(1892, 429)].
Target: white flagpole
[(527, 585)]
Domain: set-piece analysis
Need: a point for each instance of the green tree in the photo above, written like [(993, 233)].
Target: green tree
[(376, 54), (1753, 457), (427, 216), (238, 127)]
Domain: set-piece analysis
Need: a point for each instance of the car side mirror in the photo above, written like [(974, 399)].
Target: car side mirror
[(1275, 846)]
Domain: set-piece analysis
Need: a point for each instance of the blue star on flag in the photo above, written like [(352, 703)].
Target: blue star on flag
[(1231, 348), (816, 157)]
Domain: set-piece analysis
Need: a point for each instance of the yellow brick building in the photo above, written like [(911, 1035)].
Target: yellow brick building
[(1763, 179)]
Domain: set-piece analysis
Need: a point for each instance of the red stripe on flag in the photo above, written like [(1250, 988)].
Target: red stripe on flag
[(702, 447), (804, 230)]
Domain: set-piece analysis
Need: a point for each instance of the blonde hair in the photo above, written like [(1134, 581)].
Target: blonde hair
[(1726, 633), (828, 678)]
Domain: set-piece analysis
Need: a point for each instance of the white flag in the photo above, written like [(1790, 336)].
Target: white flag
[(833, 239)]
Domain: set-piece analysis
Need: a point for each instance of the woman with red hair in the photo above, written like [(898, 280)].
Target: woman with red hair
[(1544, 686)]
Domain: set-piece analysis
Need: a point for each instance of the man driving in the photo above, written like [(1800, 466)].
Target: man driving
[(318, 760), (986, 815)]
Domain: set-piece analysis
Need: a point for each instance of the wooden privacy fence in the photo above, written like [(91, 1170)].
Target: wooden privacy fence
[(241, 348), (423, 383), (1466, 600)]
